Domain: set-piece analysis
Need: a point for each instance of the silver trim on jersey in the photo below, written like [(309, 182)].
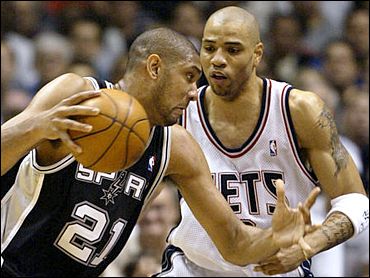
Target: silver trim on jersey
[(49, 169), (93, 82), (18, 201), (166, 150)]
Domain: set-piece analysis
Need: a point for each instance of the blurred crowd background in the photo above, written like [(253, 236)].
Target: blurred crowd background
[(320, 46)]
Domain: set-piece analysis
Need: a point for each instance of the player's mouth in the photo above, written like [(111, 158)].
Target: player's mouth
[(218, 78)]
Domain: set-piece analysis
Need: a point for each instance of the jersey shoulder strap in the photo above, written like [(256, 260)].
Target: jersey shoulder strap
[(99, 83)]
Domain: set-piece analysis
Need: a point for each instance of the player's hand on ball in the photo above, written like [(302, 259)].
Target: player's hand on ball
[(54, 123), (289, 225), (120, 132)]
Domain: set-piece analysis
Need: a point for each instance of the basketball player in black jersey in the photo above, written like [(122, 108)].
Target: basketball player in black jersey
[(59, 218)]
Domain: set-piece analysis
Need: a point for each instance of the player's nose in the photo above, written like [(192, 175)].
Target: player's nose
[(218, 60)]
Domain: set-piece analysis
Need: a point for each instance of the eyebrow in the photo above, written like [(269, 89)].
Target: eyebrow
[(227, 43)]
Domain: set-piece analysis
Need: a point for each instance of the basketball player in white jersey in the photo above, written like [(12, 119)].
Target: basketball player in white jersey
[(253, 131), (60, 219)]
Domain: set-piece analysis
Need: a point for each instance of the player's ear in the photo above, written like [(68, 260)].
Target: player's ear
[(258, 52), (153, 64)]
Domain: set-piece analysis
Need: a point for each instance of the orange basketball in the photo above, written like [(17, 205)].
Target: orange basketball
[(119, 135)]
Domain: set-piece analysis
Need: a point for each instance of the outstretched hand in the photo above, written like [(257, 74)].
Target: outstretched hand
[(289, 225)]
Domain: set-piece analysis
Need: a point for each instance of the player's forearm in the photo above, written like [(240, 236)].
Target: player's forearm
[(18, 136), (257, 246), (237, 243), (336, 229), (242, 245)]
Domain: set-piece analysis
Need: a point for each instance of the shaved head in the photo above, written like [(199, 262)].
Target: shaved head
[(231, 16), (231, 51)]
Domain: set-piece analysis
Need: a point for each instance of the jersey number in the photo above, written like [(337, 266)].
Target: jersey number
[(78, 237)]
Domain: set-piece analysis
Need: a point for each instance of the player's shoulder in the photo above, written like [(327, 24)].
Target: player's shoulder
[(71, 78), (304, 103), (64, 86), (306, 110), (184, 149), (179, 134)]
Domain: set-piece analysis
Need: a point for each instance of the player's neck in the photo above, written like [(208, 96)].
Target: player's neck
[(249, 97)]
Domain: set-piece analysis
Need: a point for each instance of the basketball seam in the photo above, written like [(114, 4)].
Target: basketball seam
[(128, 110), (133, 131), (100, 130), (110, 145), (122, 125), (114, 120)]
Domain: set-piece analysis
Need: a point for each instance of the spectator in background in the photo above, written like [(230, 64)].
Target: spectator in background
[(188, 20), (122, 30), (13, 99), (53, 56), (356, 32), (26, 25), (150, 232), (356, 127), (143, 264), (319, 26), (127, 20), (331, 12), (82, 69), (87, 40), (63, 14), (7, 18), (356, 123), (7, 66), (285, 50), (158, 219), (339, 65)]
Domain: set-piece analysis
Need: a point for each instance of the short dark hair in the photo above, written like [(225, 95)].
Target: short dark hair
[(170, 45)]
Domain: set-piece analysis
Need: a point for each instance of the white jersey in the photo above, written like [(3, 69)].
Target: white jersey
[(245, 175)]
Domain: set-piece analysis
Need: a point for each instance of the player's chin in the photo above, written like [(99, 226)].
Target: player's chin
[(219, 90), (171, 120)]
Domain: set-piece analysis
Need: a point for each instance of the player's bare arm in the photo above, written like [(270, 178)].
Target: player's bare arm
[(238, 243), (334, 167), (46, 117), (319, 140)]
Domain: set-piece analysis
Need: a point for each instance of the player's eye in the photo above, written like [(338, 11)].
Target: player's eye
[(189, 76), (209, 48), (233, 50)]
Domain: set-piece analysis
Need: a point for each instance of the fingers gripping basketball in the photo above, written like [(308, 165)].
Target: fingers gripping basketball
[(119, 135)]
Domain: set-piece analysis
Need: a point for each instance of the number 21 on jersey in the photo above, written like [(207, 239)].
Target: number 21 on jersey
[(78, 237)]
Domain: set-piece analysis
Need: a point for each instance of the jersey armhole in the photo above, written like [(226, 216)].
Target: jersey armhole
[(55, 167)]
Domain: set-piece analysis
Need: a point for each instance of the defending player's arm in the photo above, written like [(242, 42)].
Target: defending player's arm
[(238, 243), (46, 117), (338, 177)]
